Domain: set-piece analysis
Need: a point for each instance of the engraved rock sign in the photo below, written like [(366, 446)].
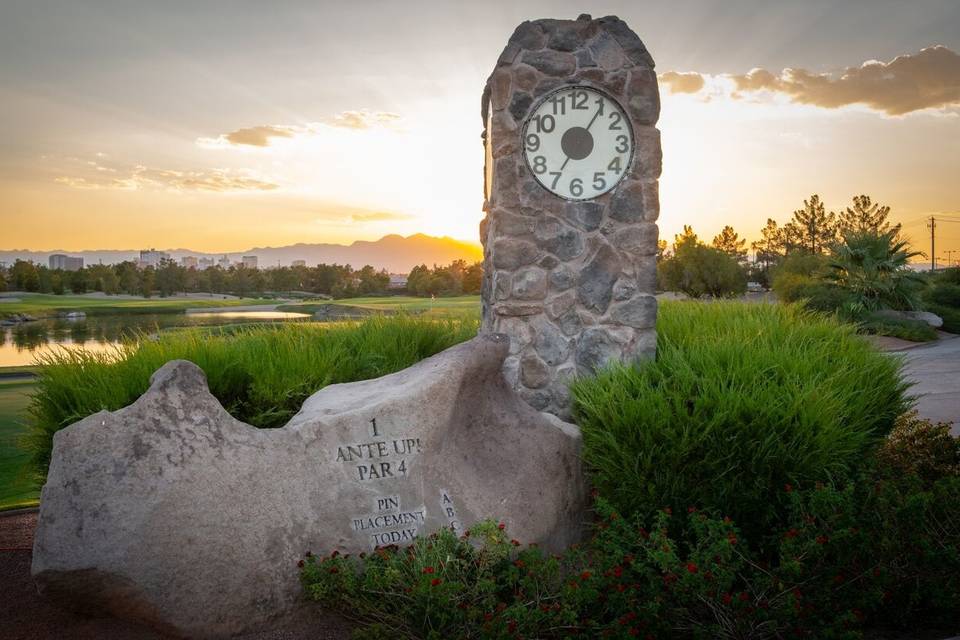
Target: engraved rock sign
[(173, 513), (570, 235)]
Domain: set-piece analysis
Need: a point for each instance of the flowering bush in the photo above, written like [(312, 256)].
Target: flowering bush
[(880, 553)]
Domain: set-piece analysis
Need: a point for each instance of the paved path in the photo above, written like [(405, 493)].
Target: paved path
[(935, 371)]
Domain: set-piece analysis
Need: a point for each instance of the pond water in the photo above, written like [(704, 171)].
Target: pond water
[(20, 344)]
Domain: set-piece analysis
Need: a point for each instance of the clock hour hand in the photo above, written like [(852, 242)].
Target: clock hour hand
[(590, 124)]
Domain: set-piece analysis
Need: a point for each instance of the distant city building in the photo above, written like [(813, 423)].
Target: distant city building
[(224, 262), (152, 257), (299, 263), (397, 281), (250, 262), (65, 262), (189, 262), (206, 263)]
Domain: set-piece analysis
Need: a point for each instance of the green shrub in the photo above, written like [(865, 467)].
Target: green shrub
[(943, 294), (815, 295), (698, 270), (903, 328), (950, 275), (950, 315), (260, 373), (741, 398)]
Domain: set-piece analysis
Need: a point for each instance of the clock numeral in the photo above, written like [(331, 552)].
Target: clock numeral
[(598, 181), (545, 123), (622, 141), (559, 102), (539, 164), (556, 178), (578, 99), (600, 104), (576, 187), (614, 165), (615, 121), (533, 142)]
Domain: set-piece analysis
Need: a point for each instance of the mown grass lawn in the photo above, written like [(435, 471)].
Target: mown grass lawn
[(17, 486), (45, 304), (441, 307)]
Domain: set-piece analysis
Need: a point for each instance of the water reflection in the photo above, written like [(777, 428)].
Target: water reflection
[(21, 343)]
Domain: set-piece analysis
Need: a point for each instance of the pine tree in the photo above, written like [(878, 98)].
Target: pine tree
[(730, 243), (813, 228), (866, 217), (685, 238)]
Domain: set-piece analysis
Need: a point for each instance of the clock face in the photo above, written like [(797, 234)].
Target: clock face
[(578, 143)]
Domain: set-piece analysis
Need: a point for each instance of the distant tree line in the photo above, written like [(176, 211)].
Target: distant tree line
[(454, 279), (170, 278), (721, 268)]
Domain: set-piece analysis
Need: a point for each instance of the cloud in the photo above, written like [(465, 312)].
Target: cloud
[(141, 177), (363, 119), (682, 81), (258, 136), (927, 79), (378, 216), (263, 135)]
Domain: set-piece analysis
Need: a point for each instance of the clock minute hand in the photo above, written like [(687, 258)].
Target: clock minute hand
[(593, 119)]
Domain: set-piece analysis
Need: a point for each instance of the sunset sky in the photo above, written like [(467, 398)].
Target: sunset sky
[(219, 126)]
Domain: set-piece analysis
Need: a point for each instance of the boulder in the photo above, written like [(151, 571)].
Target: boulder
[(931, 319), (173, 513)]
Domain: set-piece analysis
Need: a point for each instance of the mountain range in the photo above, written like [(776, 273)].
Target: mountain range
[(395, 253)]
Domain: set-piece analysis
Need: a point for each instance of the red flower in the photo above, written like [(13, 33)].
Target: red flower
[(501, 526), (300, 564), (334, 554), (727, 598), (428, 569), (618, 571), (519, 563), (334, 570), (791, 534), (515, 543), (692, 567), (667, 510), (585, 575), (691, 509), (822, 539), (732, 539), (435, 582), (788, 487), (744, 596), (512, 626)]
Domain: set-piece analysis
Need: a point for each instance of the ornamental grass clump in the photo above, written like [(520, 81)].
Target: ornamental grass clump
[(260, 373), (742, 399)]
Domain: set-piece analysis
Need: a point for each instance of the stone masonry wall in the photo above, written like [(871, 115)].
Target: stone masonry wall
[(571, 283)]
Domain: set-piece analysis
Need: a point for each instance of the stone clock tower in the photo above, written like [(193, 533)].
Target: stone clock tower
[(570, 234)]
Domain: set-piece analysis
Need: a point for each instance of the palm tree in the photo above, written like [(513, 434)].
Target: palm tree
[(872, 268)]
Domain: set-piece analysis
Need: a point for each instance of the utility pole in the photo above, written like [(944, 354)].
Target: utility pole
[(950, 256), (933, 256)]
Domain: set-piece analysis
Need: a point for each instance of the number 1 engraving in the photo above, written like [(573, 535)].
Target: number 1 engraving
[(373, 421)]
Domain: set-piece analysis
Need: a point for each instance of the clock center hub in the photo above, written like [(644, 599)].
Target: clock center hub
[(576, 143)]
